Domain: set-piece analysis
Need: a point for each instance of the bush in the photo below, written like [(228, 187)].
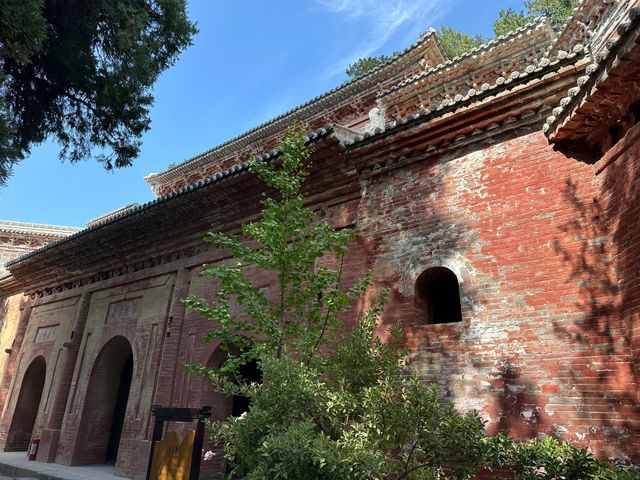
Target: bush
[(334, 402)]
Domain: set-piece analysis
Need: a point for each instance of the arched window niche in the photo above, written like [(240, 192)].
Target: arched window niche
[(437, 296)]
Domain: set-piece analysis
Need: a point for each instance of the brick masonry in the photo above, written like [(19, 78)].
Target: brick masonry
[(542, 237), (546, 345), (542, 348)]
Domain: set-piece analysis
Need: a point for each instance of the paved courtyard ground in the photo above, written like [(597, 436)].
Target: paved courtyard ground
[(14, 465)]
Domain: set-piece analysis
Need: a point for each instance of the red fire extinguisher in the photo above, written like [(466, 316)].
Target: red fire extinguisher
[(33, 448)]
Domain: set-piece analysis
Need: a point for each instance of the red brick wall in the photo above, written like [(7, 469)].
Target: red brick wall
[(541, 348), (619, 170), (544, 252)]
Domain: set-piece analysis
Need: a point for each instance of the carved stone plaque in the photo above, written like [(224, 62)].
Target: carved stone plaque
[(46, 334), (124, 311)]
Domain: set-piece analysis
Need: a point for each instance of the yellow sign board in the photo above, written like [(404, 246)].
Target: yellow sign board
[(172, 457)]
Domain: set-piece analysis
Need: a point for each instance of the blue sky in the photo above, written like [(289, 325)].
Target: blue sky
[(251, 61)]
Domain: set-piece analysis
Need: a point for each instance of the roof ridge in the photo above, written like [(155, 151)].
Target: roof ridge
[(536, 22), (311, 137), (423, 37), (544, 65)]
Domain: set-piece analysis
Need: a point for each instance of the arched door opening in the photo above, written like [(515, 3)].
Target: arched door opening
[(248, 372), (104, 414), (119, 411), (24, 416), (223, 406)]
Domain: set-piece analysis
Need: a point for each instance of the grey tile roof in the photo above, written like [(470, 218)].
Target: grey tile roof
[(343, 89), (543, 66), (135, 210), (592, 72), (501, 40)]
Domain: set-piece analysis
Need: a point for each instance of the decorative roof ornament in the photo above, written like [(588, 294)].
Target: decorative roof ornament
[(591, 24), (377, 121)]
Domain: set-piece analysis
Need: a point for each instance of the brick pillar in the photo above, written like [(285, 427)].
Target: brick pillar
[(165, 394), (634, 337), (50, 435), (8, 380)]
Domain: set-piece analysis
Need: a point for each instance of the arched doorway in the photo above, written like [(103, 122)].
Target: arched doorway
[(24, 416), (104, 413), (222, 408)]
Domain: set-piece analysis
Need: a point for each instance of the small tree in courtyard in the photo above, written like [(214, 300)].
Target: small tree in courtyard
[(334, 402)]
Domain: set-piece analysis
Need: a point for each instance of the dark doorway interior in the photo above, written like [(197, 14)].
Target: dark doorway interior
[(250, 373), (104, 412), (438, 296), (120, 410), (24, 416)]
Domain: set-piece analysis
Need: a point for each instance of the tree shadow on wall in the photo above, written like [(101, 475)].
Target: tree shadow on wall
[(514, 405), (599, 376)]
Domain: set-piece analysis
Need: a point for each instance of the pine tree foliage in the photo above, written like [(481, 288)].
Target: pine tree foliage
[(81, 72), (509, 20), (557, 11), (362, 66), (456, 43)]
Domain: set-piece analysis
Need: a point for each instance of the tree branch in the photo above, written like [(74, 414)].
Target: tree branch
[(326, 317)]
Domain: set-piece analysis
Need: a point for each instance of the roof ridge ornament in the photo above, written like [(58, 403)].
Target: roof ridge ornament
[(377, 121)]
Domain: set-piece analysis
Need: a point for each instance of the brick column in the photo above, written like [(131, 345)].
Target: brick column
[(50, 435), (634, 338), (8, 379), (165, 386)]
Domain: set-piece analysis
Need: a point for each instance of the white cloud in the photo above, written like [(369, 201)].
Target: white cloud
[(382, 19)]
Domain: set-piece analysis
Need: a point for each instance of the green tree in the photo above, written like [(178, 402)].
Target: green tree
[(456, 43), (334, 403), (556, 10), (81, 71), (509, 20), (362, 66)]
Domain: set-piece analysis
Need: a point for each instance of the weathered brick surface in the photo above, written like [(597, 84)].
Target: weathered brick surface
[(542, 348), (619, 170), (543, 239), (41, 332), (9, 316), (546, 343)]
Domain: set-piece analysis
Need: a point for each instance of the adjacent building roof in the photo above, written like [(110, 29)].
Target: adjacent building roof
[(36, 229), (18, 238)]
